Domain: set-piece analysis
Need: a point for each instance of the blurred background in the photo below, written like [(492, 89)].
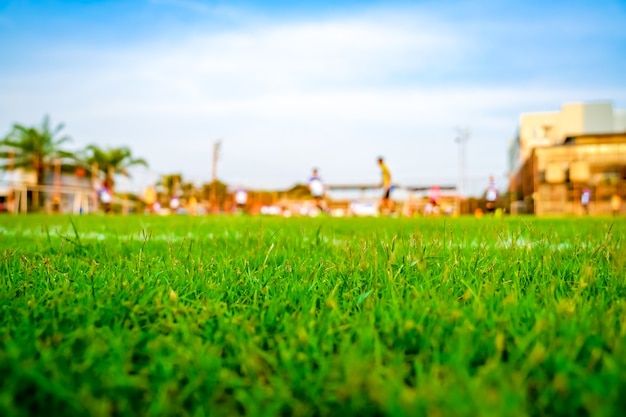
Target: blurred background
[(255, 94)]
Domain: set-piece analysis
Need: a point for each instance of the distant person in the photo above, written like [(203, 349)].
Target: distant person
[(491, 196), (386, 205), (193, 205), (616, 204), (434, 195), (150, 197), (241, 199), (585, 199), (104, 193), (174, 204), (317, 190)]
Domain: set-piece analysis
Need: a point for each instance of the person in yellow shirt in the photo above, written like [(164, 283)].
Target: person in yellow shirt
[(386, 205), (192, 204), (149, 197), (616, 204)]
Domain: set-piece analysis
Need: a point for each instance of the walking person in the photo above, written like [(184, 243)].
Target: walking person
[(317, 190), (616, 204), (241, 199), (434, 195), (104, 193), (386, 205), (491, 196), (585, 199)]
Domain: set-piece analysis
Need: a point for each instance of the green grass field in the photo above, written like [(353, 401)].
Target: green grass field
[(306, 317)]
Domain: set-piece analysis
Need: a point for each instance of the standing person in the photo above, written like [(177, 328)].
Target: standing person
[(175, 204), (491, 196), (585, 199), (434, 194), (150, 197), (386, 205), (318, 190), (193, 205), (616, 203), (105, 197), (241, 199)]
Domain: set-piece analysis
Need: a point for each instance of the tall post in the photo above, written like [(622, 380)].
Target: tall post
[(109, 183), (174, 191), (39, 172), (56, 195), (216, 149), (10, 203), (461, 138), (94, 185)]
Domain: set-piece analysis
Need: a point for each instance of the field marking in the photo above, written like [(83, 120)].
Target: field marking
[(60, 232)]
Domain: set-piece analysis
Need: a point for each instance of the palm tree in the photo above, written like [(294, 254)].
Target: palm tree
[(216, 192), (171, 183), (110, 161), (36, 149)]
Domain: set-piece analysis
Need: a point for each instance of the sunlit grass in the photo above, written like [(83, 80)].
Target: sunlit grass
[(269, 316)]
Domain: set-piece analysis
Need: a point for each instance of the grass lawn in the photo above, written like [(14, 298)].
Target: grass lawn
[(263, 316)]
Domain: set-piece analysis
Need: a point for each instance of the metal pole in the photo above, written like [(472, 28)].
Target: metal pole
[(461, 139), (216, 148), (56, 194), (10, 199), (94, 186)]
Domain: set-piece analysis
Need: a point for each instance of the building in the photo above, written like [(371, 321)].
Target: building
[(557, 155), (63, 193)]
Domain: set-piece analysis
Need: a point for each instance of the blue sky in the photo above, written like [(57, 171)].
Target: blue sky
[(285, 88)]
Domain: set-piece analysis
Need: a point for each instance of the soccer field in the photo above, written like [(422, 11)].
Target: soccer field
[(264, 316)]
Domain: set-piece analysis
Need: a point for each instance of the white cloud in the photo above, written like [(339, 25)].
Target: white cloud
[(339, 54)]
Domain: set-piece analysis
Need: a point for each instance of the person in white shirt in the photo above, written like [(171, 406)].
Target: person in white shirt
[(585, 199), (241, 199), (318, 190), (491, 196)]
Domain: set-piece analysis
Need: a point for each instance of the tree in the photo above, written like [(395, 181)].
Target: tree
[(110, 161), (36, 149), (171, 183), (216, 189)]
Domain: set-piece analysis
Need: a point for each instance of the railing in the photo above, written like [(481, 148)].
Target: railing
[(64, 198)]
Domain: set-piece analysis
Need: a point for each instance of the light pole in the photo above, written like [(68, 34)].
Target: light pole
[(10, 194), (216, 149), (462, 136)]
